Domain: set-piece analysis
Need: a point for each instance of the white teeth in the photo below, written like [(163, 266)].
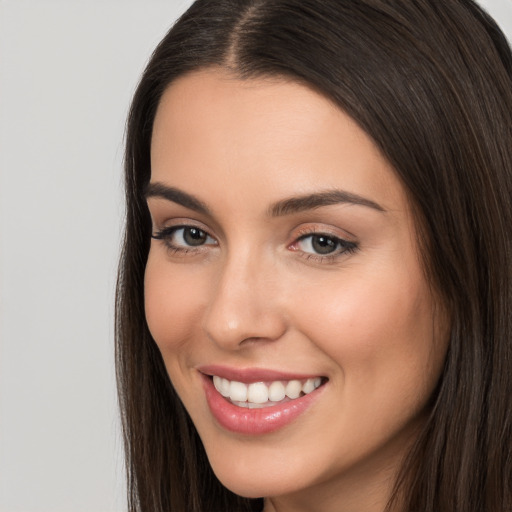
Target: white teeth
[(237, 391), (293, 389), (308, 386), (221, 385), (258, 394), (276, 391)]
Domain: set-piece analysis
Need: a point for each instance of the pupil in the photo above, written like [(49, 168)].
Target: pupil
[(323, 244), (194, 236)]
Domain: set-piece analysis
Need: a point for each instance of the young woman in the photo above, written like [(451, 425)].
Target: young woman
[(314, 300)]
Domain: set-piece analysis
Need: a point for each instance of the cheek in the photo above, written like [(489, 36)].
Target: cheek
[(379, 330), (379, 334), (173, 300)]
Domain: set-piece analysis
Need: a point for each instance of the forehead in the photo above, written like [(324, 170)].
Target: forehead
[(264, 136)]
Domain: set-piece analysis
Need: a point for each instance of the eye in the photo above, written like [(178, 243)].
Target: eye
[(324, 245), (190, 236), (184, 237)]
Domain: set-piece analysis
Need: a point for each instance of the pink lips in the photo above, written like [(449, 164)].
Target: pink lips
[(254, 421)]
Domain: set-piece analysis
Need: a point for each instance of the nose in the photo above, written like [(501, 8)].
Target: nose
[(245, 304)]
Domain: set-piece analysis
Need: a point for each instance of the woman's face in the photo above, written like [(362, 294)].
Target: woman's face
[(284, 253)]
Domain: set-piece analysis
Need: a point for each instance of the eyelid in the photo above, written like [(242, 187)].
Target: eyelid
[(160, 222), (323, 229)]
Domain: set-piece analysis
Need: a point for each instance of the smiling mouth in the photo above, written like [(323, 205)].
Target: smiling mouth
[(257, 395), (255, 401)]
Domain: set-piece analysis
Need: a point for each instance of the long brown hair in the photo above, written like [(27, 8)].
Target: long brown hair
[(431, 83)]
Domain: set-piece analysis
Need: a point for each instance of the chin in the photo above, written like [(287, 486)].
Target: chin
[(252, 487), (255, 479)]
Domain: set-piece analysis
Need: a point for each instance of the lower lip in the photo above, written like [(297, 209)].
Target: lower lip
[(255, 421)]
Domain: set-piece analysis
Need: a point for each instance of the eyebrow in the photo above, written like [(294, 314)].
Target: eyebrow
[(279, 209), (176, 196), (327, 198)]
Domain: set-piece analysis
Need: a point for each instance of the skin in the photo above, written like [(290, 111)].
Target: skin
[(256, 295)]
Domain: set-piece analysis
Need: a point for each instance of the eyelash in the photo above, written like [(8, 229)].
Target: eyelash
[(166, 235), (342, 246)]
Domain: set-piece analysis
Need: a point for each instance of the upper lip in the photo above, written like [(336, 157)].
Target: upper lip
[(248, 375)]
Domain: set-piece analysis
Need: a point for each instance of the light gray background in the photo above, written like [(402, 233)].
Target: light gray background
[(67, 72)]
